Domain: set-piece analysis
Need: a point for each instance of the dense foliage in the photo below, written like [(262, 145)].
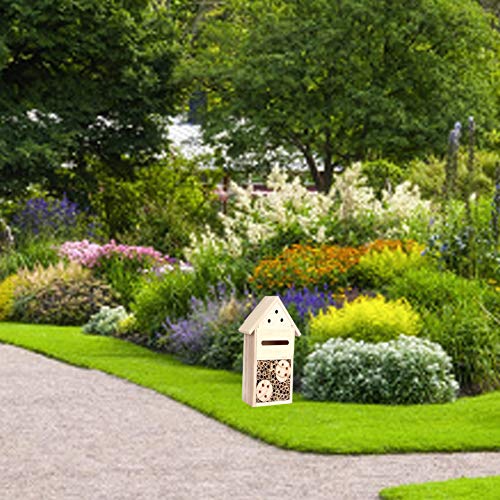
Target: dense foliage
[(60, 295), (209, 334), (122, 266), (337, 82), (461, 315), (83, 84), (403, 371), (370, 319)]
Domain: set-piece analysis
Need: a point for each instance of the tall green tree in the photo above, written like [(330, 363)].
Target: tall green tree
[(84, 84), (345, 80)]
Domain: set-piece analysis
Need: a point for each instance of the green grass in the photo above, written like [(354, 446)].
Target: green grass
[(485, 488), (469, 424)]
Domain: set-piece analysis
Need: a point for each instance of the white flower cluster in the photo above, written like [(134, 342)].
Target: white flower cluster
[(397, 207), (408, 370), (106, 321), (356, 199), (258, 217)]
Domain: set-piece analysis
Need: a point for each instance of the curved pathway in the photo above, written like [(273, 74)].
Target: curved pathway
[(71, 433)]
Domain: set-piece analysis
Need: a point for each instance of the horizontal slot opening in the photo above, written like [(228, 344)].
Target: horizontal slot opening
[(275, 342)]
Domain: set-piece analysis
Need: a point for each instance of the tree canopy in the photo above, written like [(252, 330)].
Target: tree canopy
[(345, 80), (81, 82)]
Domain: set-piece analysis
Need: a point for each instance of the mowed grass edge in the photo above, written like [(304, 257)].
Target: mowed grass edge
[(485, 488), (470, 424)]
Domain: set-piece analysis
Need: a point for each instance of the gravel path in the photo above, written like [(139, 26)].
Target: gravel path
[(70, 433)]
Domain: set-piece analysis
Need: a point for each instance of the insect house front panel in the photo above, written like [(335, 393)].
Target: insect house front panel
[(268, 354)]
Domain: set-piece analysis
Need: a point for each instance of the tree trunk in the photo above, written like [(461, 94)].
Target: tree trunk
[(322, 180)]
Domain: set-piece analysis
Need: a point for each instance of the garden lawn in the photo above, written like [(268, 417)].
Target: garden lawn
[(469, 424), (486, 488)]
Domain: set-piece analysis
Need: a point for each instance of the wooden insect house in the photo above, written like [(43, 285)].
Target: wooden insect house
[(269, 337)]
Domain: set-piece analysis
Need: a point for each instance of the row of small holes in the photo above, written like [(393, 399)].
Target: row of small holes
[(275, 312)]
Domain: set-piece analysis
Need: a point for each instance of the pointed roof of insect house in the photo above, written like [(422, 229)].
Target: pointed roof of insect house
[(260, 315)]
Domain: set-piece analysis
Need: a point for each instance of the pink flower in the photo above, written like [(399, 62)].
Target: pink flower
[(92, 254)]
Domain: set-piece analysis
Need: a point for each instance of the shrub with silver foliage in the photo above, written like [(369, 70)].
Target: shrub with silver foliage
[(106, 321), (407, 370)]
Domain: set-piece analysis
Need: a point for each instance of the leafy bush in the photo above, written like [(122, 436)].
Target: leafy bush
[(429, 174), (176, 199), (430, 289), (161, 205), (61, 295), (212, 268), (106, 321), (378, 268), (472, 339), (403, 371), (382, 174), (225, 351), (466, 242), (462, 315), (127, 326), (31, 254), (371, 319), (167, 296), (7, 288)]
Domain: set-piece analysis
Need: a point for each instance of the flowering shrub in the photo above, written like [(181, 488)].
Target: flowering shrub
[(106, 321), (209, 334), (189, 338), (305, 266), (121, 265), (29, 282), (289, 213), (404, 371), (92, 255), (372, 319), (256, 218), (61, 295), (40, 216), (303, 303), (52, 219)]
